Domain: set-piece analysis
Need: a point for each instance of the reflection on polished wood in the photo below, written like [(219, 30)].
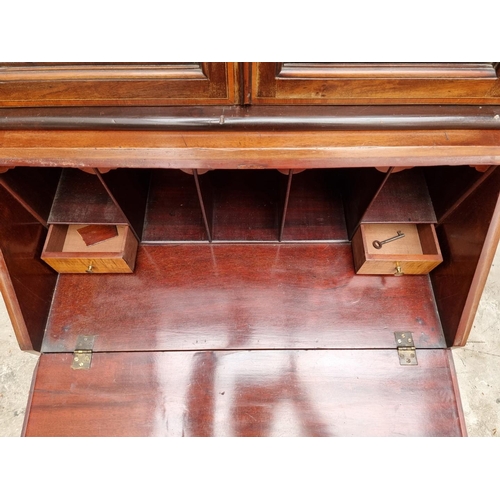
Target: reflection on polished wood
[(246, 393), (241, 296)]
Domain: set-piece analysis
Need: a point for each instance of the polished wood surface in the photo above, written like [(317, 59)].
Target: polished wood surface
[(173, 209), (361, 188), (228, 296), (246, 205), (246, 393), (449, 187), (253, 117), (469, 238), (403, 198), (27, 283), (82, 199), (33, 189), (315, 208), (382, 83), (111, 84), (248, 149), (128, 189)]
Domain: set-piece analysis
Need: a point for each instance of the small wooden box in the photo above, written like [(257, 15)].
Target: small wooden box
[(66, 251), (417, 253)]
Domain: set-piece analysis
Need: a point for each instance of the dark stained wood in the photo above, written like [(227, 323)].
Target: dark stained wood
[(375, 83), (27, 283), (82, 199), (128, 189), (449, 187), (173, 211), (360, 189), (107, 84), (241, 296), (468, 239), (249, 149), (285, 193), (224, 118), (246, 393), (403, 198), (246, 205), (33, 188), (315, 210), (205, 191), (206, 214)]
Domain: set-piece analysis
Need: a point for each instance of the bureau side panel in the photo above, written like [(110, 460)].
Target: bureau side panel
[(468, 240), (27, 283)]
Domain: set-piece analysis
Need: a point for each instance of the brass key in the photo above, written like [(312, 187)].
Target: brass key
[(378, 244)]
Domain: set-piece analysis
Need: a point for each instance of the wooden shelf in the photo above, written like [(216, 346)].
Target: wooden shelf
[(82, 199), (403, 198)]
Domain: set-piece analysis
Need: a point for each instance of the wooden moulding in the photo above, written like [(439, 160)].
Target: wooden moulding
[(417, 253), (248, 149), (66, 251)]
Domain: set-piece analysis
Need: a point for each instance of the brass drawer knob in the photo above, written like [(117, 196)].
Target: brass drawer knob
[(399, 271), (89, 269)]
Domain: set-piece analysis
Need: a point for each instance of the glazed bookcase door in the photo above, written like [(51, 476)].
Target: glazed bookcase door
[(115, 84), (373, 83)]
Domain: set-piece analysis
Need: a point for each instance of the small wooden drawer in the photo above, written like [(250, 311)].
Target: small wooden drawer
[(67, 251), (417, 253)]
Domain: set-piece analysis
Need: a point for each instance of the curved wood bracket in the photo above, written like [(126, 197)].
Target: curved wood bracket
[(90, 170)]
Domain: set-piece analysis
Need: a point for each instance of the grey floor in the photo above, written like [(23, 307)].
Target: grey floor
[(477, 365)]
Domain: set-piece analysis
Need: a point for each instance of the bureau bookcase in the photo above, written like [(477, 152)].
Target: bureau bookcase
[(193, 247)]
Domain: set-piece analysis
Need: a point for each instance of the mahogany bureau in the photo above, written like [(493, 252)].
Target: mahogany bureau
[(246, 249)]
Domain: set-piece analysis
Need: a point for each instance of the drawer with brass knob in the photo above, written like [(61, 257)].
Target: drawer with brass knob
[(76, 248), (396, 249)]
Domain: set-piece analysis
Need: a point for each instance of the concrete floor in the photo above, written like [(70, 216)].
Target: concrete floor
[(477, 366)]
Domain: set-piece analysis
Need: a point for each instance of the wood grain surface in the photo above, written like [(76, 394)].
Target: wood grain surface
[(468, 238), (315, 208), (248, 149), (246, 393), (27, 283), (82, 199), (404, 198), (110, 84), (34, 189), (230, 296), (372, 83), (173, 210)]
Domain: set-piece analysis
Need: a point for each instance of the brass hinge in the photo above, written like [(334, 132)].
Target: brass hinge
[(82, 355), (406, 348)]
